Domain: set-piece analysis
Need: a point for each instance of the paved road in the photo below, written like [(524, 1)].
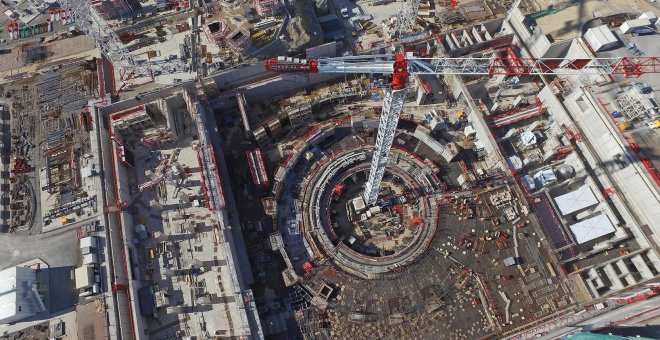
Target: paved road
[(58, 248)]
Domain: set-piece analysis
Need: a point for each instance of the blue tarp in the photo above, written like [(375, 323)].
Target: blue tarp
[(147, 301)]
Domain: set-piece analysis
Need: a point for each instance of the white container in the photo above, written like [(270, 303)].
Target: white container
[(631, 25)]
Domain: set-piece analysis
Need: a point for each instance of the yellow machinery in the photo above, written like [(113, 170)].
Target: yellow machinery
[(623, 126)]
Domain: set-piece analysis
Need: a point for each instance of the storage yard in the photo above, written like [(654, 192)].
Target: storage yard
[(48, 161), (329, 169)]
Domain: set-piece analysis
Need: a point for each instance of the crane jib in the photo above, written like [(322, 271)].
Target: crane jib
[(504, 63)]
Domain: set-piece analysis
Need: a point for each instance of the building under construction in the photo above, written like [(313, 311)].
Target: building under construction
[(115, 9), (220, 33), (508, 173), (163, 158)]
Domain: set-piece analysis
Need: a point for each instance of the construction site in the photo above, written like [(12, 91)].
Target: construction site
[(329, 169), (47, 155)]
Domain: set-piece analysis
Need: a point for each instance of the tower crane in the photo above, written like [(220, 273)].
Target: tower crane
[(106, 40), (400, 66), (89, 21)]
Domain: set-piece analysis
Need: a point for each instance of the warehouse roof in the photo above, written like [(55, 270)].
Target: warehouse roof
[(592, 228), (600, 37), (576, 200)]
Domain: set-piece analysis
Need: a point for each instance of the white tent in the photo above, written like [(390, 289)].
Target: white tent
[(469, 131), (528, 138), (573, 201), (592, 228)]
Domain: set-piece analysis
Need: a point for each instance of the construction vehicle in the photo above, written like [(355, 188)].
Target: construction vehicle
[(401, 66), (623, 126)]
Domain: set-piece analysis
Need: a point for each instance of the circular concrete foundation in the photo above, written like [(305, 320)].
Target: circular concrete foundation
[(368, 240)]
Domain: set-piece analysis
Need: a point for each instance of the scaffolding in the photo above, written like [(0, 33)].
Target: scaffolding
[(635, 103), (154, 138), (239, 39), (135, 121), (300, 115), (257, 168), (406, 18)]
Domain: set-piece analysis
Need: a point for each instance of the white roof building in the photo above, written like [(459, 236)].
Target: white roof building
[(592, 228), (631, 25), (84, 277), (88, 259), (650, 16), (89, 241), (601, 38), (19, 298), (576, 200)]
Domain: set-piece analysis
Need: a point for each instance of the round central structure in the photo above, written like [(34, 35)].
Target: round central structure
[(369, 240)]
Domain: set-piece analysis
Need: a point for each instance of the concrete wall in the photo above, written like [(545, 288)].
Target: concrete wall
[(554, 106), (637, 198), (325, 50), (535, 41), (270, 88), (234, 76), (559, 49), (115, 243), (475, 117)]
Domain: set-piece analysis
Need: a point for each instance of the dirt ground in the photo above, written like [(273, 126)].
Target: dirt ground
[(566, 23)]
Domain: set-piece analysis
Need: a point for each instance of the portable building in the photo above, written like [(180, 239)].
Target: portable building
[(90, 259), (630, 25), (650, 16), (89, 241), (601, 38), (84, 277)]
